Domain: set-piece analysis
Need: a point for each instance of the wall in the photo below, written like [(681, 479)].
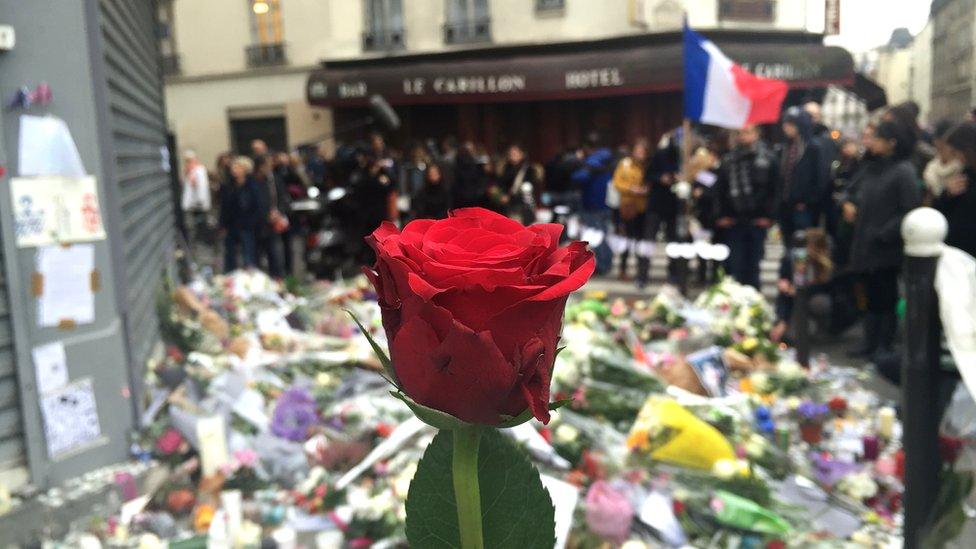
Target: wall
[(952, 59), (921, 73), (197, 111), (893, 73)]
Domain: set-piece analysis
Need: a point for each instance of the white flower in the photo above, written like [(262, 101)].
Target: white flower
[(566, 433), (755, 446), (859, 486), (725, 468), (760, 382), (634, 544), (790, 369)]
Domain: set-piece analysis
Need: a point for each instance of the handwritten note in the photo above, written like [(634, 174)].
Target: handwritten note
[(54, 209), (66, 285), (70, 418), (50, 367)]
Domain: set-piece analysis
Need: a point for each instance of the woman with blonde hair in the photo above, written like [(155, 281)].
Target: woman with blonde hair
[(239, 215)]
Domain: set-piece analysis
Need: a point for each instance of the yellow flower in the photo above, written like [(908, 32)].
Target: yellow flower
[(695, 444), (202, 518), (749, 344)]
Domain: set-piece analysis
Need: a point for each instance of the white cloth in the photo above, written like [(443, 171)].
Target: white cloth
[(196, 190), (955, 282)]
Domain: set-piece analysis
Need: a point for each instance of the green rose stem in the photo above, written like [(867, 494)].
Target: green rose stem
[(467, 493)]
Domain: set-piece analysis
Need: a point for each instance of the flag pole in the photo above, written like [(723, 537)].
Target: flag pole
[(686, 151)]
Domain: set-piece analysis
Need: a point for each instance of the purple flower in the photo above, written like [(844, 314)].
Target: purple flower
[(829, 471), (294, 414), (812, 411)]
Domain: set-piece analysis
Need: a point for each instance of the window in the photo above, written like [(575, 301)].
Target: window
[(549, 5), (168, 57), (467, 21), (384, 25), (761, 11), (268, 47)]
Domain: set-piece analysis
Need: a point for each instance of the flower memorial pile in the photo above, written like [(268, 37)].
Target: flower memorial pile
[(467, 393)]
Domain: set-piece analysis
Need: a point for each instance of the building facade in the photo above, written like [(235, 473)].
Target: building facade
[(921, 73), (953, 26), (238, 69)]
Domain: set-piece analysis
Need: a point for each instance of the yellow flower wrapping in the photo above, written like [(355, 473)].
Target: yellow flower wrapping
[(696, 444)]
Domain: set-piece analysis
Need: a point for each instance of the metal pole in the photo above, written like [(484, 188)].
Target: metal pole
[(923, 230)]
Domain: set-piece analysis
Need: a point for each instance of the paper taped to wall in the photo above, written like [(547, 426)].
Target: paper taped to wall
[(50, 367), (70, 418), (64, 276), (54, 209)]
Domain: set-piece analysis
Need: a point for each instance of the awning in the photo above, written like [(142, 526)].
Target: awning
[(624, 66)]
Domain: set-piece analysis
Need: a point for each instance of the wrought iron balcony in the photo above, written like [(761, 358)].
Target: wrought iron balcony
[(760, 11), (266, 55), (383, 40), (468, 32)]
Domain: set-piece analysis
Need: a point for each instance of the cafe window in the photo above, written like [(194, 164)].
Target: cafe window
[(384, 25), (267, 43), (165, 32), (467, 21), (759, 11)]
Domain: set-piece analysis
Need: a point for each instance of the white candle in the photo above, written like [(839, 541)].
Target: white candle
[(886, 421)]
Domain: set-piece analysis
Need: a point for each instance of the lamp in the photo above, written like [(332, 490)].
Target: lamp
[(260, 7)]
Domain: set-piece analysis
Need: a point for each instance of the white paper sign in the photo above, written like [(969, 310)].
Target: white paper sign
[(50, 367), (66, 292), (70, 418), (564, 497), (212, 438), (47, 148), (54, 209)]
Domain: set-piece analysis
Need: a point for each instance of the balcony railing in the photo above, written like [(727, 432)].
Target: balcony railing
[(171, 64), (266, 55), (383, 40), (761, 11), (467, 32)]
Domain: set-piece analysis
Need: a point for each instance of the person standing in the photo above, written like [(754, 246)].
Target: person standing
[(195, 201), (433, 199), (958, 201), (375, 198), (745, 193), (628, 180), (886, 191), (662, 203), (258, 148), (268, 225), (239, 215), (513, 194), (470, 182), (594, 177), (803, 174), (944, 166), (824, 209)]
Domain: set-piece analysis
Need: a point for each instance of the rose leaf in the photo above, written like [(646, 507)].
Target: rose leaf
[(516, 509), (384, 359)]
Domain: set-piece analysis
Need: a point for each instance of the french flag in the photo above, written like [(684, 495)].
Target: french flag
[(721, 93)]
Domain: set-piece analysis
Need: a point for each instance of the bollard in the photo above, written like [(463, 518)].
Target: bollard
[(923, 230), (802, 274)]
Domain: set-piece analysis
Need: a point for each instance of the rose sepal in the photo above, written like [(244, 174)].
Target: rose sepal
[(435, 418), (385, 361), (514, 421)]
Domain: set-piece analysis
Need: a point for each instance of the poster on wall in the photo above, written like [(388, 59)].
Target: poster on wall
[(65, 283), (56, 210), (70, 419)]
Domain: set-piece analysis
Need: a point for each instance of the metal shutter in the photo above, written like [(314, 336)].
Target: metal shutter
[(138, 135), (12, 452)]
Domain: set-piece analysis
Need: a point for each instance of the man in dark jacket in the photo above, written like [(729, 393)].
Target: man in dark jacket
[(593, 178), (804, 178), (662, 203), (470, 186), (744, 198)]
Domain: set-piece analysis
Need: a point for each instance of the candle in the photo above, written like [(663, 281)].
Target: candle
[(870, 443), (886, 422)]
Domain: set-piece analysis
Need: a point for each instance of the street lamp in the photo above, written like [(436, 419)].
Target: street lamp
[(260, 7)]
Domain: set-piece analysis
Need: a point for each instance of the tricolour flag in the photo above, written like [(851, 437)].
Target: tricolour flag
[(721, 93)]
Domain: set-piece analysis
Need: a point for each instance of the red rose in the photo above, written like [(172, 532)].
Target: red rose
[(472, 306), (169, 442), (949, 448)]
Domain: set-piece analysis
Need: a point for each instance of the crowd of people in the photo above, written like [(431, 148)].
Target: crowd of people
[(837, 201)]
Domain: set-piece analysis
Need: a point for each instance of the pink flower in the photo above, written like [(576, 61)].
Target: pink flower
[(608, 512), (169, 442), (246, 458)]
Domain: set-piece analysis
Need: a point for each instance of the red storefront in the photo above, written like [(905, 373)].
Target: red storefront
[(548, 96)]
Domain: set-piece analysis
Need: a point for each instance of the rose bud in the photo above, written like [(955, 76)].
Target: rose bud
[(472, 306)]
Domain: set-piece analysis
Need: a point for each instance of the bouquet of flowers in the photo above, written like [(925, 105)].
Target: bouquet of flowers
[(811, 417)]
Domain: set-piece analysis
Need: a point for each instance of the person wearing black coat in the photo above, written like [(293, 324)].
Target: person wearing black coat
[(804, 178), (745, 194), (432, 200), (887, 189), (470, 180), (271, 196), (958, 201), (239, 204)]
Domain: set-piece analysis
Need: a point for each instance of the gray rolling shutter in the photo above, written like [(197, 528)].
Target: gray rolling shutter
[(12, 451), (138, 134)]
